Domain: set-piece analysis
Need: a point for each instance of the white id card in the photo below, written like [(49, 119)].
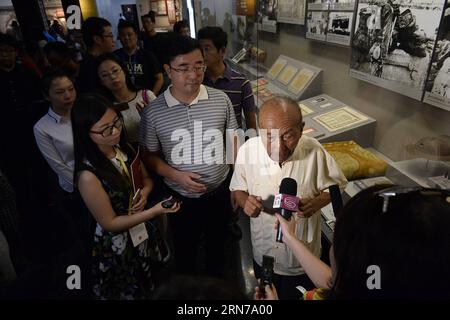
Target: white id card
[(138, 234)]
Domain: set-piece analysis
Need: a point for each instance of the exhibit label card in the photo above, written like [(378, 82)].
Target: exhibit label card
[(305, 110), (288, 73), (340, 118), (276, 68), (393, 43), (300, 81)]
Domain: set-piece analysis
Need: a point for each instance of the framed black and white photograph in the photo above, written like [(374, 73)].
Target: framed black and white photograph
[(339, 27), (437, 88), (316, 25), (291, 11), (393, 43)]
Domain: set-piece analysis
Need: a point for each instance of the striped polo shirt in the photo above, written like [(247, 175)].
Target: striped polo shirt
[(191, 137), (237, 88)]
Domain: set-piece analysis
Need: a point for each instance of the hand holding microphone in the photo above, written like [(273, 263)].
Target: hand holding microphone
[(287, 201)]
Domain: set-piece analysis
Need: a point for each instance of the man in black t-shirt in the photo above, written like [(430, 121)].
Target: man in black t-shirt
[(143, 67), (157, 43)]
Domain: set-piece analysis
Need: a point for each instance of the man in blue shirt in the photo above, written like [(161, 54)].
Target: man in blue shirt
[(213, 41), (142, 65)]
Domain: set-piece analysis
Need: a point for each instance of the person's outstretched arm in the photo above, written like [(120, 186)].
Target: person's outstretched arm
[(99, 204), (318, 271)]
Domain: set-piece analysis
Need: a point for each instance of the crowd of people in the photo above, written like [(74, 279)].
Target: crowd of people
[(158, 111)]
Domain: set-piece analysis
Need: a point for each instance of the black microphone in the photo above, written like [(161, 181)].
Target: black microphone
[(288, 187), (336, 200)]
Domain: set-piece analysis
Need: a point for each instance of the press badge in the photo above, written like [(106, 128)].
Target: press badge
[(138, 234)]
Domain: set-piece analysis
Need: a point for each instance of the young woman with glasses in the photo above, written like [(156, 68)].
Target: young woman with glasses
[(115, 83), (121, 261)]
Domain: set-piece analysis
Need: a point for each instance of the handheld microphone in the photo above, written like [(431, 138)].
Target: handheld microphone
[(288, 202), (336, 200)]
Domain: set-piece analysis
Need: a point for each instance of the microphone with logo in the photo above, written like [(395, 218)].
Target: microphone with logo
[(287, 201)]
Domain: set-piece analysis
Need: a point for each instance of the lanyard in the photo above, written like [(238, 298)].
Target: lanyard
[(127, 173)]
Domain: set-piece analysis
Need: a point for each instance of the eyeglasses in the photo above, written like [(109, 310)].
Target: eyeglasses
[(396, 191), (109, 35), (114, 73), (196, 69), (118, 123)]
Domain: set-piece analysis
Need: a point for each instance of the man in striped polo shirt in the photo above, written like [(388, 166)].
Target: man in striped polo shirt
[(213, 41), (182, 133)]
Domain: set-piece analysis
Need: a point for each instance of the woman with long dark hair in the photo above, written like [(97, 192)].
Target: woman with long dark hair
[(121, 260)]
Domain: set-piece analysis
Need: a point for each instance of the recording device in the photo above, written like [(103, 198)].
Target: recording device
[(287, 201), (336, 200), (266, 274), (169, 203)]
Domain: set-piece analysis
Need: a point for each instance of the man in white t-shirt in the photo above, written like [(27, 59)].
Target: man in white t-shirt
[(262, 162)]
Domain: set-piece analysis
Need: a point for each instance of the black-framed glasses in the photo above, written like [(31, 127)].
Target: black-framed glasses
[(186, 70), (396, 191), (106, 132)]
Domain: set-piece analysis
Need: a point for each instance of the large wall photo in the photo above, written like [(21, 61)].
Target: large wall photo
[(438, 83), (393, 43)]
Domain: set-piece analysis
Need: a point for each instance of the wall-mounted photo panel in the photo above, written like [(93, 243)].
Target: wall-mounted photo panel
[(267, 15), (437, 88), (344, 5), (318, 5), (291, 11), (339, 27), (316, 25), (392, 44)]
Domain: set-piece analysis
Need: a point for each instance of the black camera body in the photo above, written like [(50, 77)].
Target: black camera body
[(267, 273)]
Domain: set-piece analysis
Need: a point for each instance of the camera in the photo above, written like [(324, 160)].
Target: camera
[(267, 273)]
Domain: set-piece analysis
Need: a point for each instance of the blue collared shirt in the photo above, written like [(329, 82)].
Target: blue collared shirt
[(237, 88)]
